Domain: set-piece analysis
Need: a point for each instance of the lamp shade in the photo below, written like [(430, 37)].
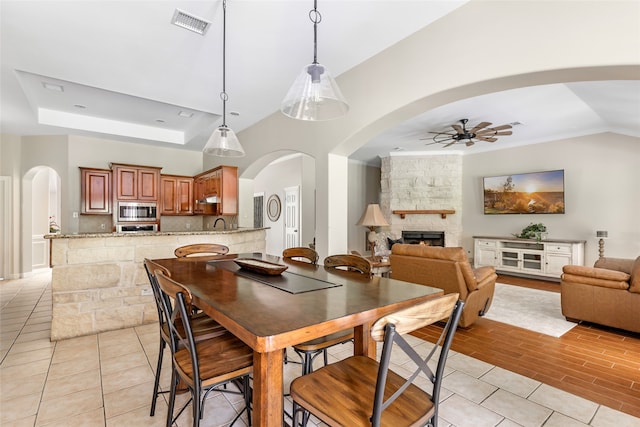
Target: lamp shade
[(372, 217), (224, 142), (315, 96)]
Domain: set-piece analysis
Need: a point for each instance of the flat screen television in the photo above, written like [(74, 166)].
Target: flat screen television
[(524, 193)]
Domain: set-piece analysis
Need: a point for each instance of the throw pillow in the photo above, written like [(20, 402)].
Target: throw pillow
[(391, 242)]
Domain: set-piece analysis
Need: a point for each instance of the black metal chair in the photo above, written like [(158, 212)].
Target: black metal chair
[(359, 391), (202, 365), (203, 327)]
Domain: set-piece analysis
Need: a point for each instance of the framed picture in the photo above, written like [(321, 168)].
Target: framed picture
[(274, 207), (524, 193)]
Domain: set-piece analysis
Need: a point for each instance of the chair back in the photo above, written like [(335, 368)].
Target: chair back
[(348, 262), (151, 267), (301, 254), (201, 249), (179, 321), (389, 330)]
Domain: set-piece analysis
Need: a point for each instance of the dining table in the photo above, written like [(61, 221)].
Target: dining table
[(281, 303)]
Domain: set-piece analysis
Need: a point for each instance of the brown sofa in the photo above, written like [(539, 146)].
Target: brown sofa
[(448, 269), (607, 293)]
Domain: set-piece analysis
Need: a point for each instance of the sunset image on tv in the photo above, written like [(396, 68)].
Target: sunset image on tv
[(526, 193)]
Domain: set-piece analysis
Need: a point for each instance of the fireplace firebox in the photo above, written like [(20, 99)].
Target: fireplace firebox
[(431, 238)]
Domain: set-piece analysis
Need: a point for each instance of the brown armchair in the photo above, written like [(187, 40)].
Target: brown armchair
[(607, 293), (448, 269)]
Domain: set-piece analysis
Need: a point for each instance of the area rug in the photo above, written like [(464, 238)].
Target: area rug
[(531, 309)]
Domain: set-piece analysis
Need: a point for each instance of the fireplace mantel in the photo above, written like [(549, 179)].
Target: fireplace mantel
[(442, 212)]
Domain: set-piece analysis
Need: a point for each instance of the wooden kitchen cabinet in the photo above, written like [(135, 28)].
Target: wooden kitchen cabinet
[(176, 195), (95, 191), (221, 182), (136, 183)]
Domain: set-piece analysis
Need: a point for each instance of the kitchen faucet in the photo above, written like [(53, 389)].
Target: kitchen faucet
[(224, 223)]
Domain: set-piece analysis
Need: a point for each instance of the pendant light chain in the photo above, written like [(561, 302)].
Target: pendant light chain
[(316, 18), (223, 94)]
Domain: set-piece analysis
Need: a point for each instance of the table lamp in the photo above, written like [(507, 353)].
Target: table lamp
[(372, 218), (601, 235)]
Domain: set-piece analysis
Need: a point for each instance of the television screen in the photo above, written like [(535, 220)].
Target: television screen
[(525, 193)]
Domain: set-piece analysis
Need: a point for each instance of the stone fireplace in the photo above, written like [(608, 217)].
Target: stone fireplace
[(418, 183)]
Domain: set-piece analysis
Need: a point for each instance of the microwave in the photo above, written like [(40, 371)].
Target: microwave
[(137, 211)]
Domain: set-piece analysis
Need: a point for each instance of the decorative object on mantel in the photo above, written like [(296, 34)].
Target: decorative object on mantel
[(442, 212), (601, 235), (372, 218), (314, 95), (274, 207), (224, 142), (533, 231), (460, 134)]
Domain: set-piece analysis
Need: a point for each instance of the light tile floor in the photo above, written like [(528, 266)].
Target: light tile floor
[(106, 379)]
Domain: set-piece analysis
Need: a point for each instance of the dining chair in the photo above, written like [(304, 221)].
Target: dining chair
[(309, 350), (359, 391), (202, 366), (201, 249), (348, 262), (301, 254), (203, 326)]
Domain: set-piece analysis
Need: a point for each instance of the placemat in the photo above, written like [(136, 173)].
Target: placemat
[(289, 282)]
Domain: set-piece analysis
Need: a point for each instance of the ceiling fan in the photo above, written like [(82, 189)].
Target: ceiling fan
[(468, 137)]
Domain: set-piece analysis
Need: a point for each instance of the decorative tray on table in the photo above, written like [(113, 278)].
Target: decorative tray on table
[(260, 266)]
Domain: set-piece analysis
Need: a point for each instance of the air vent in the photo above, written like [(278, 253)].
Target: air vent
[(190, 22)]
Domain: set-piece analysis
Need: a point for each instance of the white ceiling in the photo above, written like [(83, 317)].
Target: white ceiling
[(134, 72)]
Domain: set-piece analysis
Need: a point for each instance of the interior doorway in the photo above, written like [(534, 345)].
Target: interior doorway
[(43, 216)]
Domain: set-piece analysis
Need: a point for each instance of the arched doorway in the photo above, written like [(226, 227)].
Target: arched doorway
[(41, 215)]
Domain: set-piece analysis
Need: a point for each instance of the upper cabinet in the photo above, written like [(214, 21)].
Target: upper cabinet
[(95, 191), (220, 183), (136, 183), (176, 195)]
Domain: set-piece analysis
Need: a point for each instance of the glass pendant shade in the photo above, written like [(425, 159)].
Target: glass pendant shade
[(224, 143), (314, 96)]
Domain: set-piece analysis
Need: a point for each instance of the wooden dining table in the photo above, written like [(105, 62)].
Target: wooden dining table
[(270, 313)]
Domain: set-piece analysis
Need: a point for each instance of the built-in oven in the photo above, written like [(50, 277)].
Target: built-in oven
[(137, 211), (136, 228)]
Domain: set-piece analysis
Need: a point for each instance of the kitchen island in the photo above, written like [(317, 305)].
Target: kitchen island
[(99, 283)]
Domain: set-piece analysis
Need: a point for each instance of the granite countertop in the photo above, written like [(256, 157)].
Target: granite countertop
[(151, 233)]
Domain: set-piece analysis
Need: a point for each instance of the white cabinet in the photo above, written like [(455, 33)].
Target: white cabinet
[(530, 257)]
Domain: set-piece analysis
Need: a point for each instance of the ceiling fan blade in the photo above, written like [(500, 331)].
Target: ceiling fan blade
[(501, 127), (486, 138), (504, 133), (469, 143), (449, 144), (491, 132), (479, 126), (458, 129)]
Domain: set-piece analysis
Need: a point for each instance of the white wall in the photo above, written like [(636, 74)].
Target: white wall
[(602, 192)]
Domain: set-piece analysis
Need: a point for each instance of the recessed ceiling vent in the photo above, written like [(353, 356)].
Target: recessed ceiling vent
[(190, 22)]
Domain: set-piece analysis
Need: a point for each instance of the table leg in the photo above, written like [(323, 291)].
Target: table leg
[(363, 344), (267, 389)]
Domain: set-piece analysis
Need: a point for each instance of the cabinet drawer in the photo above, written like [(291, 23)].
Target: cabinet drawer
[(486, 243), (565, 249)]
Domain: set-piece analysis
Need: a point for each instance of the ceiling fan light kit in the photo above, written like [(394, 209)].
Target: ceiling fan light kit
[(224, 142), (468, 137), (314, 95)]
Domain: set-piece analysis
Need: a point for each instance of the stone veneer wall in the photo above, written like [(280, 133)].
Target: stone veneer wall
[(98, 282), (421, 183)]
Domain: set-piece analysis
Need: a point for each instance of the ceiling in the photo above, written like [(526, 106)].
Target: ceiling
[(120, 70)]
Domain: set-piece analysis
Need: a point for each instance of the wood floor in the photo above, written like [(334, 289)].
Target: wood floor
[(598, 363)]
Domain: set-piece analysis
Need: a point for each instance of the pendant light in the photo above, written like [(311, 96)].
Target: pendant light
[(315, 94), (224, 142)]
